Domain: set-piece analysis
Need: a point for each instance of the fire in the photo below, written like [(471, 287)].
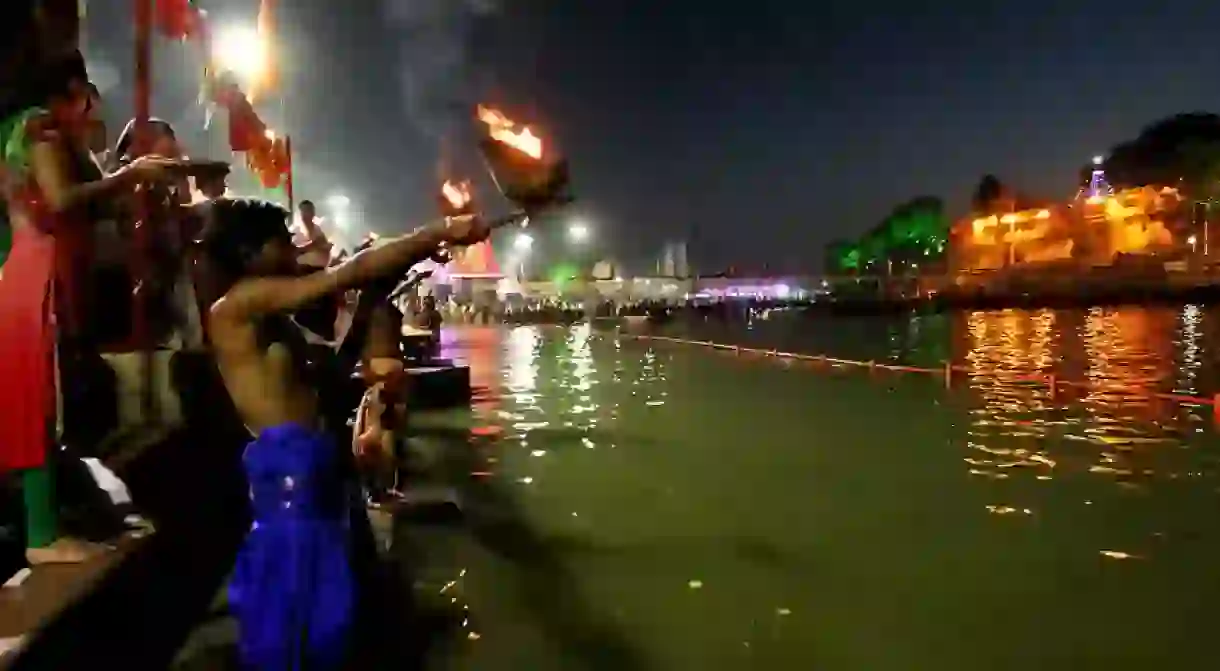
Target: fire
[(501, 129), (457, 194)]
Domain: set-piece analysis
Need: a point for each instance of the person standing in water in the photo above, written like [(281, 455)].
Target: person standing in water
[(294, 587)]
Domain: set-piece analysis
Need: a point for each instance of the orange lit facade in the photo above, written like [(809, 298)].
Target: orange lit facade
[(1088, 232)]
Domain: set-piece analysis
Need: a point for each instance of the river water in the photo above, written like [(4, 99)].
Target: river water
[(638, 504)]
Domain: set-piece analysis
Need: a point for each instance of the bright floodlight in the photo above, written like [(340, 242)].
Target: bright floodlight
[(523, 242), (1098, 160), (240, 50), (338, 201), (578, 232)]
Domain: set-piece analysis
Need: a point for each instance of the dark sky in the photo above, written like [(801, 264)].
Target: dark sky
[(757, 130)]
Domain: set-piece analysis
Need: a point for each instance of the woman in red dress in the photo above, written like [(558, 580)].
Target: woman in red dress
[(52, 186)]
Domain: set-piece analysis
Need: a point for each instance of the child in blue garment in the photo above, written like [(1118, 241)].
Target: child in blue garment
[(293, 588)]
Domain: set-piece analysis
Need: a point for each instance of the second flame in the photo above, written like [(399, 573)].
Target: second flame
[(458, 194)]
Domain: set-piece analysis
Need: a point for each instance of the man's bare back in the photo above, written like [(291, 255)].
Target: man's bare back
[(263, 366), (260, 353)]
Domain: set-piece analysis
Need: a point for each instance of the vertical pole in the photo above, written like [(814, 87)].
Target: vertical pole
[(1207, 219), (143, 108), (288, 180), (82, 11)]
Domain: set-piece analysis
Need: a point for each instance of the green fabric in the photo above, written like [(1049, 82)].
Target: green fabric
[(6, 237), (38, 490), (15, 154), (14, 144)]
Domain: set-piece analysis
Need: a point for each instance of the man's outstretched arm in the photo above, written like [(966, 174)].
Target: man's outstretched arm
[(255, 297)]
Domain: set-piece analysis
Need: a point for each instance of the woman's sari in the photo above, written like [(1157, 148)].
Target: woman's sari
[(27, 341)]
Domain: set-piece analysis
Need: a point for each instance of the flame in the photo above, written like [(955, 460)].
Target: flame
[(501, 129), (457, 194)]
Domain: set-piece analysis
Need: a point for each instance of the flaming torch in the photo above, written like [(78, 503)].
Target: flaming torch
[(456, 198), (519, 166)]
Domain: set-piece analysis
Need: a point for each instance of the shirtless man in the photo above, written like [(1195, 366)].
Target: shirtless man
[(300, 479), (314, 251)]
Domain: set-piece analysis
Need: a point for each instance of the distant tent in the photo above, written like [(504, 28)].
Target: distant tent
[(475, 262), (603, 270)]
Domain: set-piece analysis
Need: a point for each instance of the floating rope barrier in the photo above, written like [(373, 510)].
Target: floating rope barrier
[(948, 371)]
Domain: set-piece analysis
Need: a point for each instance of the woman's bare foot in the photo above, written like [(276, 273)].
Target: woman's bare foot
[(64, 551)]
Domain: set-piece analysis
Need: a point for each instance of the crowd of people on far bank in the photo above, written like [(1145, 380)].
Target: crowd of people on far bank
[(119, 248)]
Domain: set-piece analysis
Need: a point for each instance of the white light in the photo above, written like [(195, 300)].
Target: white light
[(523, 242), (1191, 240), (578, 232), (338, 201), (240, 50), (1098, 160)]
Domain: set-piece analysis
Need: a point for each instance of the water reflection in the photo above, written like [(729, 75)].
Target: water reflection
[(1008, 421), (582, 373), (480, 349), (551, 399), (1189, 342), (748, 510), (1104, 419)]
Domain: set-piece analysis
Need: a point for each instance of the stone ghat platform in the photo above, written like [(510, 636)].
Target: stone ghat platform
[(443, 385), (135, 606)]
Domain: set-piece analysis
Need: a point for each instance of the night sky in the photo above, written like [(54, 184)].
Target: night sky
[(756, 130)]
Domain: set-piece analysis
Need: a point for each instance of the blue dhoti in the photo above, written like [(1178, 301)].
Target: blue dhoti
[(293, 590)]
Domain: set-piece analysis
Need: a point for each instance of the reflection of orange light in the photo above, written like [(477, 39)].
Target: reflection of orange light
[(1128, 351), (501, 128), (481, 348), (1043, 214), (457, 194)]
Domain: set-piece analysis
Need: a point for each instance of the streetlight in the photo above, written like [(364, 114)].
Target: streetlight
[(521, 251), (578, 232), (339, 205), (240, 50)]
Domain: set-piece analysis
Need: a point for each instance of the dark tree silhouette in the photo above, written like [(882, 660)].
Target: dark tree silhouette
[(989, 190), (1182, 150)]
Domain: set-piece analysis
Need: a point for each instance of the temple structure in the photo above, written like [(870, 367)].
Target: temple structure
[(475, 262), (1098, 227), (472, 276)]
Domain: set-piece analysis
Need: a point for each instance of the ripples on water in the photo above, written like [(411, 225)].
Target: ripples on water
[(1106, 418), (1024, 497), (1104, 421)]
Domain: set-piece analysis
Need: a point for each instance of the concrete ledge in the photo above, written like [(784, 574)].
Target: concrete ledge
[(136, 607), (439, 387), (26, 609)]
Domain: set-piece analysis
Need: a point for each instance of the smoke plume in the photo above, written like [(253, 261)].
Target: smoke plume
[(436, 73)]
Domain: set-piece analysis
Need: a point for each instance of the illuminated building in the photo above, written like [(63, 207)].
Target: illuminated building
[(1094, 229)]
